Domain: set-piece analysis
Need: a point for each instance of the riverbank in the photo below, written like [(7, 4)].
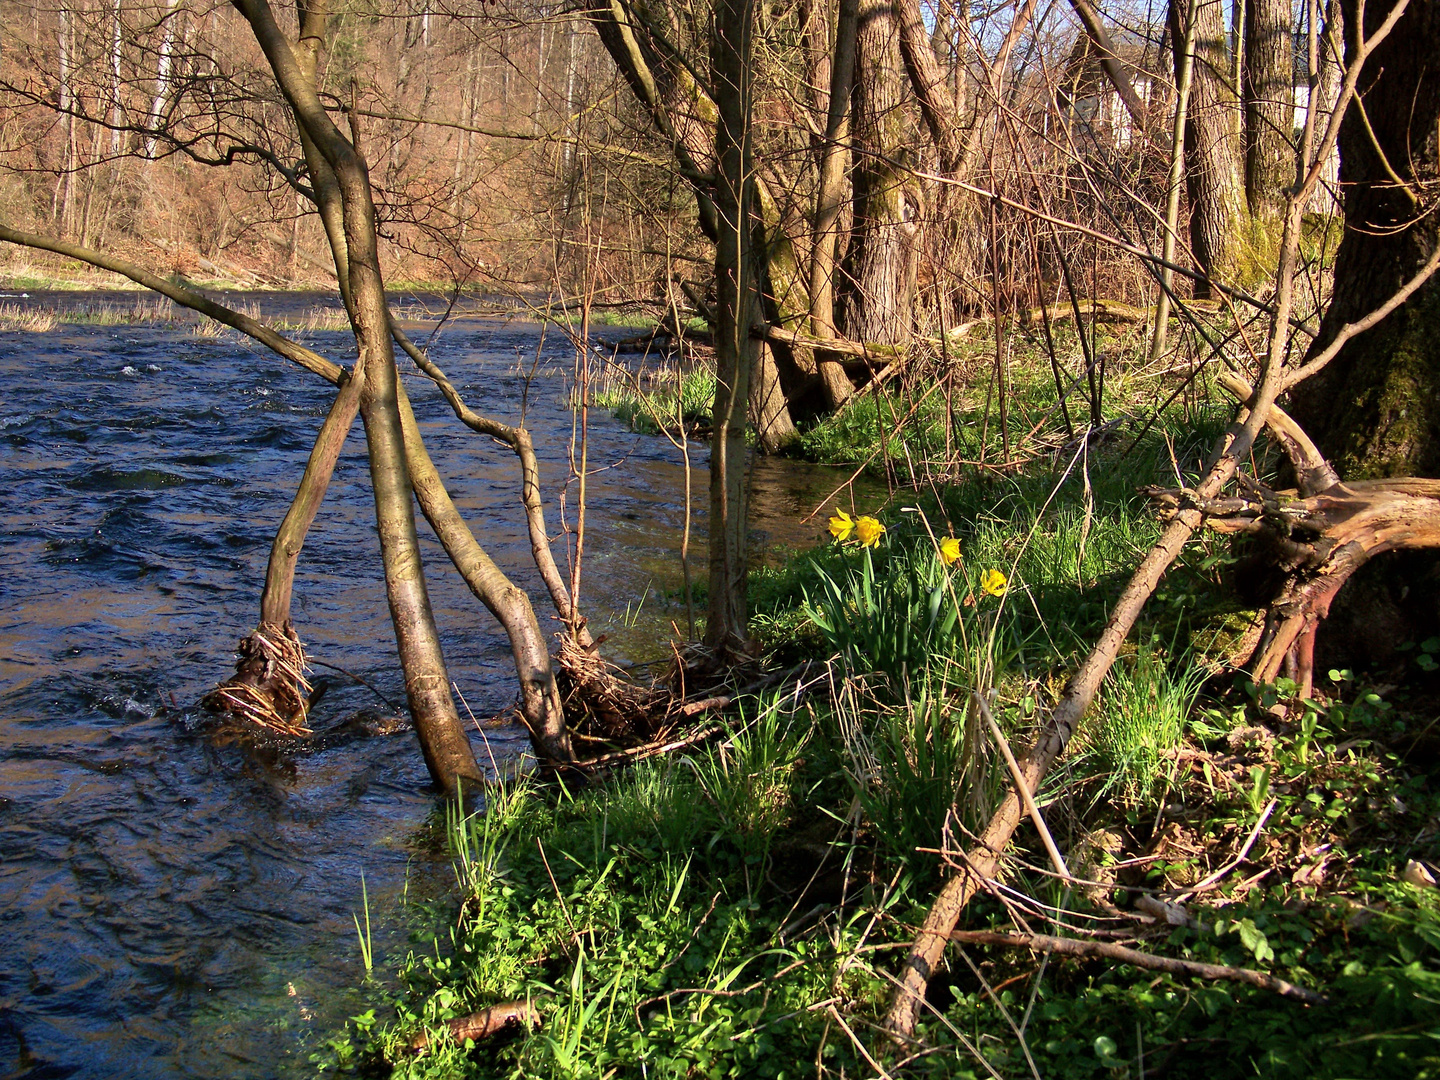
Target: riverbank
[(738, 909)]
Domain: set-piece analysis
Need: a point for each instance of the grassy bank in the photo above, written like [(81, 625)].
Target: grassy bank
[(739, 909)]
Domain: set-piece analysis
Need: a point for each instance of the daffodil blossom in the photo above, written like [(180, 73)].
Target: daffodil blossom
[(841, 525), (868, 531), (950, 551), (993, 582)]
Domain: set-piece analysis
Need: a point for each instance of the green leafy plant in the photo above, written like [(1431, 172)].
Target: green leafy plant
[(367, 950), (895, 620)]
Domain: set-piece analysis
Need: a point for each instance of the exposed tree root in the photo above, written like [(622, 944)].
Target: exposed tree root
[(600, 703), (1319, 542), (269, 688)]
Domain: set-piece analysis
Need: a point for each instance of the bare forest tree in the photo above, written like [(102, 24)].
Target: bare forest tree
[(844, 191)]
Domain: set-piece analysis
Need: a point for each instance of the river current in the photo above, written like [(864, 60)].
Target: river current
[(174, 907)]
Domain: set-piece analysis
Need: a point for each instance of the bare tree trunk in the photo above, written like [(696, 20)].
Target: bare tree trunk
[(1374, 411), (162, 76), (735, 349), (285, 552), (769, 416), (1172, 193), (442, 738), (1331, 45), (117, 109), (830, 197), (65, 189), (1115, 69), (540, 704), (884, 243), (269, 686), (1238, 44), (1212, 152), (1268, 90)]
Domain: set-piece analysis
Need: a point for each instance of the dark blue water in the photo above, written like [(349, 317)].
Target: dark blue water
[(174, 907)]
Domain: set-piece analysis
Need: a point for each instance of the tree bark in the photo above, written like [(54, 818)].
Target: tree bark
[(1374, 411), (427, 684), (938, 106), (540, 704), (1212, 153), (1268, 90), (884, 241), (687, 116), (1115, 69), (735, 349), (829, 199), (290, 538)]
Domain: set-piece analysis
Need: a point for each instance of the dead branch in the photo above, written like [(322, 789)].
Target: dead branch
[(1312, 471), (1120, 954)]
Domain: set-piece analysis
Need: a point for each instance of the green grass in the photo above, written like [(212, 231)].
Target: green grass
[(661, 400), (719, 913), (701, 916)]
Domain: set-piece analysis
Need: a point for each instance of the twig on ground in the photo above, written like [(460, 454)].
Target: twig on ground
[(1120, 954), (1024, 789), (1214, 879)]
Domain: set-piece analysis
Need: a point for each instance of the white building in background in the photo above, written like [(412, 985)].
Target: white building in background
[(1092, 107)]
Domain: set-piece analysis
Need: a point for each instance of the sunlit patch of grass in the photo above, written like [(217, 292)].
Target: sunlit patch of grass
[(27, 320), (664, 398)]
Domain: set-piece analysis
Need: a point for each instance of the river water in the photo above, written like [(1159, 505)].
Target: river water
[(172, 907)]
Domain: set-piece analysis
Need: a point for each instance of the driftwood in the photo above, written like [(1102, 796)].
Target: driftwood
[(510, 1017), (1120, 954)]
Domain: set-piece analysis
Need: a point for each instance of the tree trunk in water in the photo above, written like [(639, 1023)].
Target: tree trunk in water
[(884, 245), (269, 686), (768, 413), (1212, 152), (540, 703), (1269, 110), (427, 685), (735, 349), (1375, 410), (285, 552)]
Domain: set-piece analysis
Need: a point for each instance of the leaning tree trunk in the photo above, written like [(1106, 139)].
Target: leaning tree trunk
[(1374, 411), (884, 242), (829, 198), (1268, 87), (269, 686), (735, 348), (1212, 152), (427, 685)]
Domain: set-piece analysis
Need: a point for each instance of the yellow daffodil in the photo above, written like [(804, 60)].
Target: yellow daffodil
[(841, 525), (993, 582), (950, 551), (868, 531)]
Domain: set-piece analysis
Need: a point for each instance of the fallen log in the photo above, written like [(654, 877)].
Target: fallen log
[(1321, 541)]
